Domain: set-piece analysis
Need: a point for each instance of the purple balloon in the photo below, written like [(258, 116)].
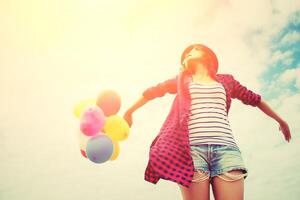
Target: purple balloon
[(99, 148), (92, 120)]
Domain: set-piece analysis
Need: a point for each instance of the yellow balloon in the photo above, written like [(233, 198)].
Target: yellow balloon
[(116, 127), (78, 108), (116, 151)]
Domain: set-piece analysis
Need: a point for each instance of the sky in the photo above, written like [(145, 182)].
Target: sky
[(54, 54)]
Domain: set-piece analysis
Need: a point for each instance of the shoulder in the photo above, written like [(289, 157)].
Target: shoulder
[(173, 79), (225, 76), (226, 79)]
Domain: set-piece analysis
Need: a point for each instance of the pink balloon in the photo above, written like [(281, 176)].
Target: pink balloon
[(92, 120), (109, 101), (83, 153)]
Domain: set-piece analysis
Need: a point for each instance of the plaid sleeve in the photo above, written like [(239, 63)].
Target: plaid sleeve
[(159, 90), (245, 95)]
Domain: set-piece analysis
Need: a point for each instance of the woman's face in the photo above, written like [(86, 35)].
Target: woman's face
[(195, 53)]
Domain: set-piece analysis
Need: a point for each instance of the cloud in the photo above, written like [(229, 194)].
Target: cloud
[(291, 75), (283, 83), (291, 37), (285, 57), (287, 106), (295, 19)]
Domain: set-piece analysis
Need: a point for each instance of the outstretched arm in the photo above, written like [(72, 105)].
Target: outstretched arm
[(128, 114), (159, 90), (252, 98), (283, 126)]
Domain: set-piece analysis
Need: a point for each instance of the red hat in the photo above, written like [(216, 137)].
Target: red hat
[(209, 55)]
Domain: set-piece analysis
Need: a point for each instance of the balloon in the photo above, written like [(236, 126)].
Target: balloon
[(78, 108), (83, 139), (109, 101), (83, 153), (99, 148), (116, 151), (116, 127), (92, 120)]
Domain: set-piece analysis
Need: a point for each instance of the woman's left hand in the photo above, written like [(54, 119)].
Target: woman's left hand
[(284, 128)]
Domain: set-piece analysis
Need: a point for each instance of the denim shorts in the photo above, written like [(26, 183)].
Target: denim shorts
[(216, 159)]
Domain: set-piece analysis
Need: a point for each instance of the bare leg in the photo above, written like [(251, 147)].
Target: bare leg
[(199, 188), (229, 186)]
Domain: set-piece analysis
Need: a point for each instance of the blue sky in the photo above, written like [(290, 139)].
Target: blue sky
[(280, 44)]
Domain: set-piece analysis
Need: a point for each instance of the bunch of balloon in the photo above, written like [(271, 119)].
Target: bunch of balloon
[(101, 129)]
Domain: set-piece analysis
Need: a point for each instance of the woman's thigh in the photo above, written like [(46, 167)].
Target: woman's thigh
[(228, 173), (224, 189), (199, 188)]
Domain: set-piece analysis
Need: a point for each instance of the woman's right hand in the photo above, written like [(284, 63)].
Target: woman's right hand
[(284, 128), (128, 118)]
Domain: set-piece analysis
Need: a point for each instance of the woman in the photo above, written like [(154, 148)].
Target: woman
[(195, 146)]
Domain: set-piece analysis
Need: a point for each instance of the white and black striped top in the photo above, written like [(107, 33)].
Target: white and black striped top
[(208, 120)]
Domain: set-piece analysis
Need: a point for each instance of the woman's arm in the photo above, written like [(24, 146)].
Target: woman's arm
[(249, 97), (159, 90), (283, 126), (128, 114), (245, 95)]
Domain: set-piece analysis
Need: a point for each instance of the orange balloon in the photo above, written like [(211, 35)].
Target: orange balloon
[(109, 101)]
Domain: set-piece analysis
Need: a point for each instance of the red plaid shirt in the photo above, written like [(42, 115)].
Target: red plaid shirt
[(169, 156)]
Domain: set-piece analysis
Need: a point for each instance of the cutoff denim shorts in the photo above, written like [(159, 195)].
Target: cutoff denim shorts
[(217, 159)]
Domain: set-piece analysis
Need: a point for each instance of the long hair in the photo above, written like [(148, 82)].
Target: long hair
[(209, 58)]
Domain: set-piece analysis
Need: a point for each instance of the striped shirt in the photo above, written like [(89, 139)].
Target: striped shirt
[(208, 121), (170, 155)]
